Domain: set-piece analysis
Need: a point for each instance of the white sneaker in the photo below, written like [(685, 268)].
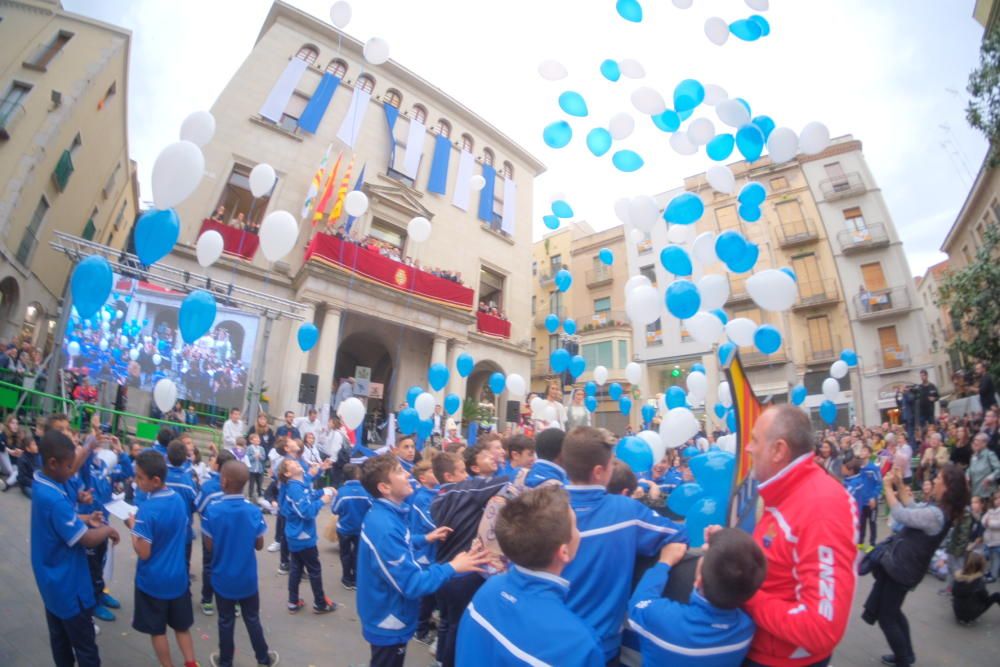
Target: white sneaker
[(274, 546), (97, 630)]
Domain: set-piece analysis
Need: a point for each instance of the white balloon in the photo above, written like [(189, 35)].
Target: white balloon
[(621, 125), (830, 389), (697, 384), (424, 405), (721, 178), (165, 394), (703, 248), (551, 70), (262, 178), (73, 348), (631, 69), (209, 248), (636, 236), (714, 94), (681, 234), (704, 327), (340, 14), (477, 182), (123, 341), (133, 354), (682, 4), (176, 173), (732, 113), (741, 330), (772, 290), (600, 375), (157, 359), (643, 212), (119, 314), (621, 210), (198, 128), (679, 426), (278, 234), (814, 138), (838, 369), (724, 395), (643, 305), (106, 316), (103, 345), (635, 281), (782, 144), (717, 30), (376, 50), (419, 229), (105, 326), (682, 144), (633, 373), (727, 443), (537, 406), (515, 385), (356, 203), (648, 101), (352, 411), (714, 290), (655, 442), (701, 131), (758, 5)]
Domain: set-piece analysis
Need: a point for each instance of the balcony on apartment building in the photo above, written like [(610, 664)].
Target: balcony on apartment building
[(542, 368), (881, 303), (751, 357), (859, 240), (235, 241), (605, 319), (816, 293), (846, 185), (10, 115), (796, 233), (893, 358), (540, 315), (599, 276), (823, 352)]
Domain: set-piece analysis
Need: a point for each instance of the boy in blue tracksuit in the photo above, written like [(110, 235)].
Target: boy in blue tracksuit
[(421, 523), (208, 495), (179, 480), (868, 512), (710, 630), (520, 456), (521, 616), (300, 506), (613, 530), (548, 449), (95, 480), (351, 506), (855, 484), (390, 581)]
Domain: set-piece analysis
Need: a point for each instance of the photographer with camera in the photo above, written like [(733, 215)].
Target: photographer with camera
[(927, 393)]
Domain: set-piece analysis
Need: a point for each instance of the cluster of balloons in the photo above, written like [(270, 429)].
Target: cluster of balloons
[(831, 387), (748, 30)]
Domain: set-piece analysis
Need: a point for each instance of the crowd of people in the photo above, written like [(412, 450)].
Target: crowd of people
[(21, 362), (491, 309), (237, 220), (393, 252)]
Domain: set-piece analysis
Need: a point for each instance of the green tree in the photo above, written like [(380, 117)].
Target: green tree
[(983, 112), (972, 297)]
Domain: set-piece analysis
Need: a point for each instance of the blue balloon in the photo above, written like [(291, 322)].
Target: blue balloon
[(713, 471), (634, 452), (676, 260), (606, 256), (590, 402), (497, 383), (749, 212), (424, 430), (551, 322), (683, 299), (630, 10), (704, 513), (752, 193), (726, 351), (614, 391), (721, 314), (90, 285), (610, 70), (464, 364), (627, 160), (625, 405), (569, 326), (682, 499), (828, 411), (408, 421), (196, 315), (720, 410), (746, 261), (573, 103), (437, 376), (730, 245), (577, 365), (648, 413), (767, 339), (563, 280), (799, 393), (720, 147), (849, 357), (676, 398), (562, 209), (789, 272), (688, 94), (731, 420), (690, 452), (559, 360), (761, 22), (412, 393), (766, 125), (307, 335), (667, 121), (684, 209), (557, 134), (750, 141), (551, 221), (590, 389), (156, 234), (684, 115), (746, 30), (452, 403), (698, 368), (599, 141)]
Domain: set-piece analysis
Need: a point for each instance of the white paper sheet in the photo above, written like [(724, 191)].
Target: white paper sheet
[(121, 509)]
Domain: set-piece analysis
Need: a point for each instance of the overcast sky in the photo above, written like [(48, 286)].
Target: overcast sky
[(881, 71)]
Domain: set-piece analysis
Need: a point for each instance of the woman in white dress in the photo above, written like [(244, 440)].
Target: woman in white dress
[(553, 415), (577, 414)]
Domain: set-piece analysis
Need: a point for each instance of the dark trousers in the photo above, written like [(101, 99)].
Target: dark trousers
[(427, 604), (388, 656), (308, 560), (254, 490), (72, 636), (973, 614), (26, 490), (95, 562), (348, 558), (869, 519), (282, 540), (452, 598), (251, 619), (206, 574), (885, 605)]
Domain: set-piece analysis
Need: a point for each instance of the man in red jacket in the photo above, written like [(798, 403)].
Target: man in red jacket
[(807, 532)]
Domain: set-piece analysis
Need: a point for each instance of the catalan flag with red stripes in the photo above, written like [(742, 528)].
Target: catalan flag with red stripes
[(747, 409), (327, 192), (345, 185)]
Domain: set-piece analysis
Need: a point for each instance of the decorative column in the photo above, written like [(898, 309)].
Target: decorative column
[(295, 363), (326, 357)]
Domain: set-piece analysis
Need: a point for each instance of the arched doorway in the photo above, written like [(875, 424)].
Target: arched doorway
[(360, 351), (10, 297), (480, 402)]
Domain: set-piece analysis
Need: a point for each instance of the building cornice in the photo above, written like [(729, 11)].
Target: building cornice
[(975, 192)]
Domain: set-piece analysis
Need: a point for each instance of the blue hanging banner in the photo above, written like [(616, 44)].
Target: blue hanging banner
[(391, 114), (486, 195), (318, 103), (438, 182)]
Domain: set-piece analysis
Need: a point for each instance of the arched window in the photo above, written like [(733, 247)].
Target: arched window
[(365, 83), (394, 97), (467, 143), (308, 53), (488, 157), (508, 169), (419, 113), (337, 67), (444, 128)]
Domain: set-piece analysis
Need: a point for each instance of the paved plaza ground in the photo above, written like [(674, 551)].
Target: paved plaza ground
[(335, 640)]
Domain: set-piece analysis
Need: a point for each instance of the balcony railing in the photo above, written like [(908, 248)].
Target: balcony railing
[(235, 241), (892, 358), (847, 185), (753, 357), (10, 115), (492, 325), (540, 315), (873, 305), (797, 233), (603, 320), (63, 170), (857, 240), (599, 276), (823, 352), (817, 293)]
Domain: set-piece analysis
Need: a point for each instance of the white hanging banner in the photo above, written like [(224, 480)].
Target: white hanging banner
[(277, 99), (509, 206), (414, 148), (350, 128), (463, 186)]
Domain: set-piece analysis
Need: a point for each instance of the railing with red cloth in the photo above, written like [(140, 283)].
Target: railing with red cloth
[(372, 266), (492, 325), (234, 241)]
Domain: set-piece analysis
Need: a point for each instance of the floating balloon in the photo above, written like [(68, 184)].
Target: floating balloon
[(814, 138), (563, 280), (197, 313), (557, 134), (477, 182), (340, 14), (198, 128), (642, 305), (850, 357), (452, 403), (752, 193), (625, 405), (600, 375), (176, 173), (209, 248), (356, 203), (165, 395), (155, 235), (464, 364), (614, 391), (704, 327), (772, 289), (497, 383), (714, 290), (635, 453), (677, 427), (307, 336), (559, 360), (724, 395), (103, 345), (621, 125), (684, 209), (437, 377), (573, 103), (562, 209), (551, 70), (688, 94), (407, 420), (278, 235), (683, 299), (90, 285), (741, 331), (133, 354), (749, 212), (714, 94), (701, 131), (627, 160), (648, 413), (746, 30), (750, 141), (643, 212), (838, 369), (376, 50), (590, 402), (682, 144), (717, 30), (569, 326), (424, 405), (632, 69), (610, 70), (599, 141), (767, 339), (746, 261), (667, 121), (577, 365), (418, 229), (726, 352), (262, 179), (648, 101), (73, 348), (630, 10), (682, 499), (720, 147), (551, 322), (412, 393), (831, 388), (697, 383), (730, 245), (676, 260), (828, 411), (516, 386), (732, 113), (606, 256), (764, 124), (590, 389), (681, 234), (758, 5), (721, 178), (676, 398), (703, 248), (633, 373), (551, 221), (799, 394)]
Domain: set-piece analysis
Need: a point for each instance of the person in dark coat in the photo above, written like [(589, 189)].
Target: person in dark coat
[(987, 392), (970, 599)]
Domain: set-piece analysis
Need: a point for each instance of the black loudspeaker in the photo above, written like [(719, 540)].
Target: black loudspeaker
[(513, 411), (307, 388)]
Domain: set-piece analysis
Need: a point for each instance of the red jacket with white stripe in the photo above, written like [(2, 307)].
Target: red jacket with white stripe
[(808, 534)]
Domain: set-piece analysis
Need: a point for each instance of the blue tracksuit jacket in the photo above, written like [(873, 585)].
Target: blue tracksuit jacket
[(873, 481), (390, 581), (856, 487), (421, 522), (521, 618), (613, 530), (300, 508), (209, 494), (351, 506), (181, 482), (697, 634), (542, 471)]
